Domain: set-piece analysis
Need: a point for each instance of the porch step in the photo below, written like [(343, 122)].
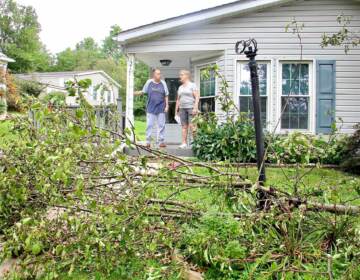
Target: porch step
[(171, 149)]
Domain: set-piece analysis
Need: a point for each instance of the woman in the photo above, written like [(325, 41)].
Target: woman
[(186, 105)]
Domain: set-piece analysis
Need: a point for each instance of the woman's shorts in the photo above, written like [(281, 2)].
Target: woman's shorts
[(186, 116)]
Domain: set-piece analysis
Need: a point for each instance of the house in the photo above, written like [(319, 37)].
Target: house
[(312, 90), (55, 82), (4, 60)]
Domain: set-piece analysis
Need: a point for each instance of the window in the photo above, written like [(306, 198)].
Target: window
[(109, 97), (207, 90), (245, 99), (295, 95)]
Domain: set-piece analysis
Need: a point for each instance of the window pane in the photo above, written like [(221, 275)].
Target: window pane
[(295, 79), (245, 104), (246, 107), (295, 112), (245, 80), (304, 71), (207, 83), (286, 72), (207, 104), (304, 87), (286, 87)]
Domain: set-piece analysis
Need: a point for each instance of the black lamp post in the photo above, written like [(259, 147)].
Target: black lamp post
[(249, 48)]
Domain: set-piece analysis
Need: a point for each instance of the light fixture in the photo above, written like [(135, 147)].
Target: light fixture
[(165, 62)]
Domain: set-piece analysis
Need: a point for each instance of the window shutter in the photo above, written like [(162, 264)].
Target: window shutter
[(325, 95)]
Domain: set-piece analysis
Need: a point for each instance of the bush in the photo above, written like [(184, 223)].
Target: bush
[(233, 141), (303, 148), (13, 97), (55, 98), (351, 160), (139, 106), (29, 88)]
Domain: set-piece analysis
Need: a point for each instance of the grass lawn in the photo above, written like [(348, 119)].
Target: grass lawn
[(327, 185), (140, 128)]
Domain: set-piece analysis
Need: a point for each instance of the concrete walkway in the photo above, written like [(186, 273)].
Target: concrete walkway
[(173, 141), (171, 149)]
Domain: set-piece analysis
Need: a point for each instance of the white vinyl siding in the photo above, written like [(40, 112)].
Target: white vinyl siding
[(268, 28)]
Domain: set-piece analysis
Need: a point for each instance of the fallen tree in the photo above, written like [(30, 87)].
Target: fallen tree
[(73, 202)]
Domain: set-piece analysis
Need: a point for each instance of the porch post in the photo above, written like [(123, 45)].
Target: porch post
[(130, 59)]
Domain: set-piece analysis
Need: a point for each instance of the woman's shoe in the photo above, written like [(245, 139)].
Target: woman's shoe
[(183, 146)]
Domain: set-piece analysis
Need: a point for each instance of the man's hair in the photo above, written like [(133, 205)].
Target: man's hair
[(156, 69)]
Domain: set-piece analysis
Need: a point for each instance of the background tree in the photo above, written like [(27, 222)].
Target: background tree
[(19, 37), (88, 55)]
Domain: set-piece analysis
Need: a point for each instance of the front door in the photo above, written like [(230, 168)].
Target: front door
[(173, 130), (173, 86)]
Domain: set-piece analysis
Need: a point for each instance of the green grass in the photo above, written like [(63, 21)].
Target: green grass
[(140, 129), (325, 185)]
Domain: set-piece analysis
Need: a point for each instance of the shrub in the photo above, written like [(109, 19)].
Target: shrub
[(13, 97), (303, 148), (351, 160), (55, 98), (233, 141), (140, 106), (29, 88)]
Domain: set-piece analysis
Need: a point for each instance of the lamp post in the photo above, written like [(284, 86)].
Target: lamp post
[(249, 48)]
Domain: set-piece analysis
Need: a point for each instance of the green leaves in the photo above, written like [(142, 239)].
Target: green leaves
[(232, 140)]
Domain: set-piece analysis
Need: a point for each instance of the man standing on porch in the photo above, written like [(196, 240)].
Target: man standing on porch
[(157, 105)]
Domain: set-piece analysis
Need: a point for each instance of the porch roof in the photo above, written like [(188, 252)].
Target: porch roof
[(179, 60), (240, 6)]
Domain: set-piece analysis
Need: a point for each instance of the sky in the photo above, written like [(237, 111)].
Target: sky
[(66, 22)]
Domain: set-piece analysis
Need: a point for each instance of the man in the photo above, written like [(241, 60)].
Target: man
[(157, 105)]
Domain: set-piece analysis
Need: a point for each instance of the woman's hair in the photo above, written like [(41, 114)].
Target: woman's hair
[(186, 72)]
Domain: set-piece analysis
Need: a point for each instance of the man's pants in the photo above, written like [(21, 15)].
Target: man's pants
[(152, 119)]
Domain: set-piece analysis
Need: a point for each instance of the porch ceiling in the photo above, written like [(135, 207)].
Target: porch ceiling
[(179, 59)]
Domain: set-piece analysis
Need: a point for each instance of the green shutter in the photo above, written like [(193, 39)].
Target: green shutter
[(326, 95)]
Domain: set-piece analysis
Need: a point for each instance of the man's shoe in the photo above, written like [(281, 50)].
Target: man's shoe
[(162, 145)]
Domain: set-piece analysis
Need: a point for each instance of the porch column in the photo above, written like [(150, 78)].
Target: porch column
[(130, 59)]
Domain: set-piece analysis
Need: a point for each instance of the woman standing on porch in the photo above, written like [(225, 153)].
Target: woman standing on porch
[(187, 105)]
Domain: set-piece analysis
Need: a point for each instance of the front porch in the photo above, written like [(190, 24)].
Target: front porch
[(191, 60)]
